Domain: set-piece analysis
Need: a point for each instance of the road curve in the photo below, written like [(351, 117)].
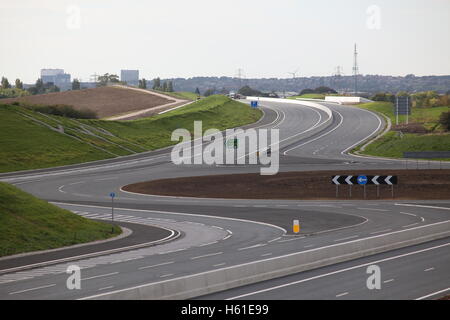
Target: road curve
[(234, 231)]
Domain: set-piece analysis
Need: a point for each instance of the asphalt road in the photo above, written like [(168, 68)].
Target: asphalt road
[(218, 232)]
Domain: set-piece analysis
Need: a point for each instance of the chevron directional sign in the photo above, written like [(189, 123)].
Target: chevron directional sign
[(362, 179)]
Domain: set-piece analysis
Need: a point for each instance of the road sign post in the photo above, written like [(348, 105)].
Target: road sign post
[(112, 195), (363, 181)]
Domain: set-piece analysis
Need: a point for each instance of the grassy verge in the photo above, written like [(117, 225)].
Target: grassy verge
[(30, 224), (393, 144), (309, 96), (29, 143)]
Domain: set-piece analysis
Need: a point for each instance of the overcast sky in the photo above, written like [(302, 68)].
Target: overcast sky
[(181, 38)]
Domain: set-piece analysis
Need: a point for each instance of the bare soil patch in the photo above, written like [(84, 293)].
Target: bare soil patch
[(412, 185), (105, 101)]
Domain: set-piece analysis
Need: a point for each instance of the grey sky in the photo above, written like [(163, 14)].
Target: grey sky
[(181, 38)]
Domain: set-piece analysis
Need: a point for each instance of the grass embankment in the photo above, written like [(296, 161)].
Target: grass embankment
[(393, 144), (29, 143), (30, 224)]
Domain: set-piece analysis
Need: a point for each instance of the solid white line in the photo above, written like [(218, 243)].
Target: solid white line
[(421, 206), (274, 240), (341, 294), (322, 135), (347, 238), (338, 271), (429, 269), (100, 276), (37, 288), (206, 255), (433, 294)]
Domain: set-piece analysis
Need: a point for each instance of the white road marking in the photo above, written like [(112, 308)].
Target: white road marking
[(100, 276), (226, 237), (166, 275), (372, 209), (387, 281), (255, 246), (266, 254), (341, 294), (274, 240), (156, 265), (106, 288), (429, 269), (287, 240), (60, 189), (207, 244), (32, 289), (309, 246), (219, 264), (433, 294), (421, 206), (347, 238), (409, 214), (206, 255), (344, 270)]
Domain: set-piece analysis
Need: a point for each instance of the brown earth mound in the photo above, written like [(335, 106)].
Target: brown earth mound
[(105, 101), (412, 185)]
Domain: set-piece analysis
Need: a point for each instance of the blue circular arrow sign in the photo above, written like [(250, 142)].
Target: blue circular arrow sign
[(362, 180), (112, 194)]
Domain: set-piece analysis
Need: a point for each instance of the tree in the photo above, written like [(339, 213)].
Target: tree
[(164, 86), (444, 120), (156, 83), (5, 83), (323, 89), (76, 85), (170, 86), (19, 84), (208, 92), (107, 78), (197, 91), (247, 91), (143, 83)]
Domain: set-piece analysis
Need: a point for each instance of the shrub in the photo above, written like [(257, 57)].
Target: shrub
[(444, 120), (65, 111)]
